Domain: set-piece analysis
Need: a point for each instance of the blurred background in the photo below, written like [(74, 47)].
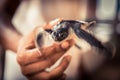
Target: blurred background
[(26, 14)]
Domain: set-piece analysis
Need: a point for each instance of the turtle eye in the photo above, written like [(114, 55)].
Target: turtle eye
[(63, 35)]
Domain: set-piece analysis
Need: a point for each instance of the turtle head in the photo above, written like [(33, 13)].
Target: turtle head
[(60, 35), (60, 31)]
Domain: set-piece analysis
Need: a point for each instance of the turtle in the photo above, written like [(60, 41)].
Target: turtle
[(65, 28)]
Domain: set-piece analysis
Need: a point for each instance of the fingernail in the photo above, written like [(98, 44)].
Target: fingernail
[(39, 52), (65, 45)]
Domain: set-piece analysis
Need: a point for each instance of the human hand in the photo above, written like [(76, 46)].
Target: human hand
[(33, 62)]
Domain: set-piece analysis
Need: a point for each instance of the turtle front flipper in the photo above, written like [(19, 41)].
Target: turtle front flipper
[(43, 38), (80, 33)]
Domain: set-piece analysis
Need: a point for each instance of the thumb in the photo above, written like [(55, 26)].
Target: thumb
[(52, 23)]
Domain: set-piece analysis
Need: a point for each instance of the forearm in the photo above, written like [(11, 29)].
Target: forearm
[(9, 36)]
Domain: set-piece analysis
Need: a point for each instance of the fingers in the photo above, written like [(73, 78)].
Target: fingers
[(55, 48), (34, 61), (61, 68), (67, 44), (26, 57), (54, 74), (26, 49), (36, 67)]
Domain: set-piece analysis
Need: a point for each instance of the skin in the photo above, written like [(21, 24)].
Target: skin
[(30, 59), (9, 36), (33, 62)]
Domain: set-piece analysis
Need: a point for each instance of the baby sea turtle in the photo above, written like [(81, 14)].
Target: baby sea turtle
[(65, 28)]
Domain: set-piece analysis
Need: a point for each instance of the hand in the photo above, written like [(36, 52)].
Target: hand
[(33, 62)]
